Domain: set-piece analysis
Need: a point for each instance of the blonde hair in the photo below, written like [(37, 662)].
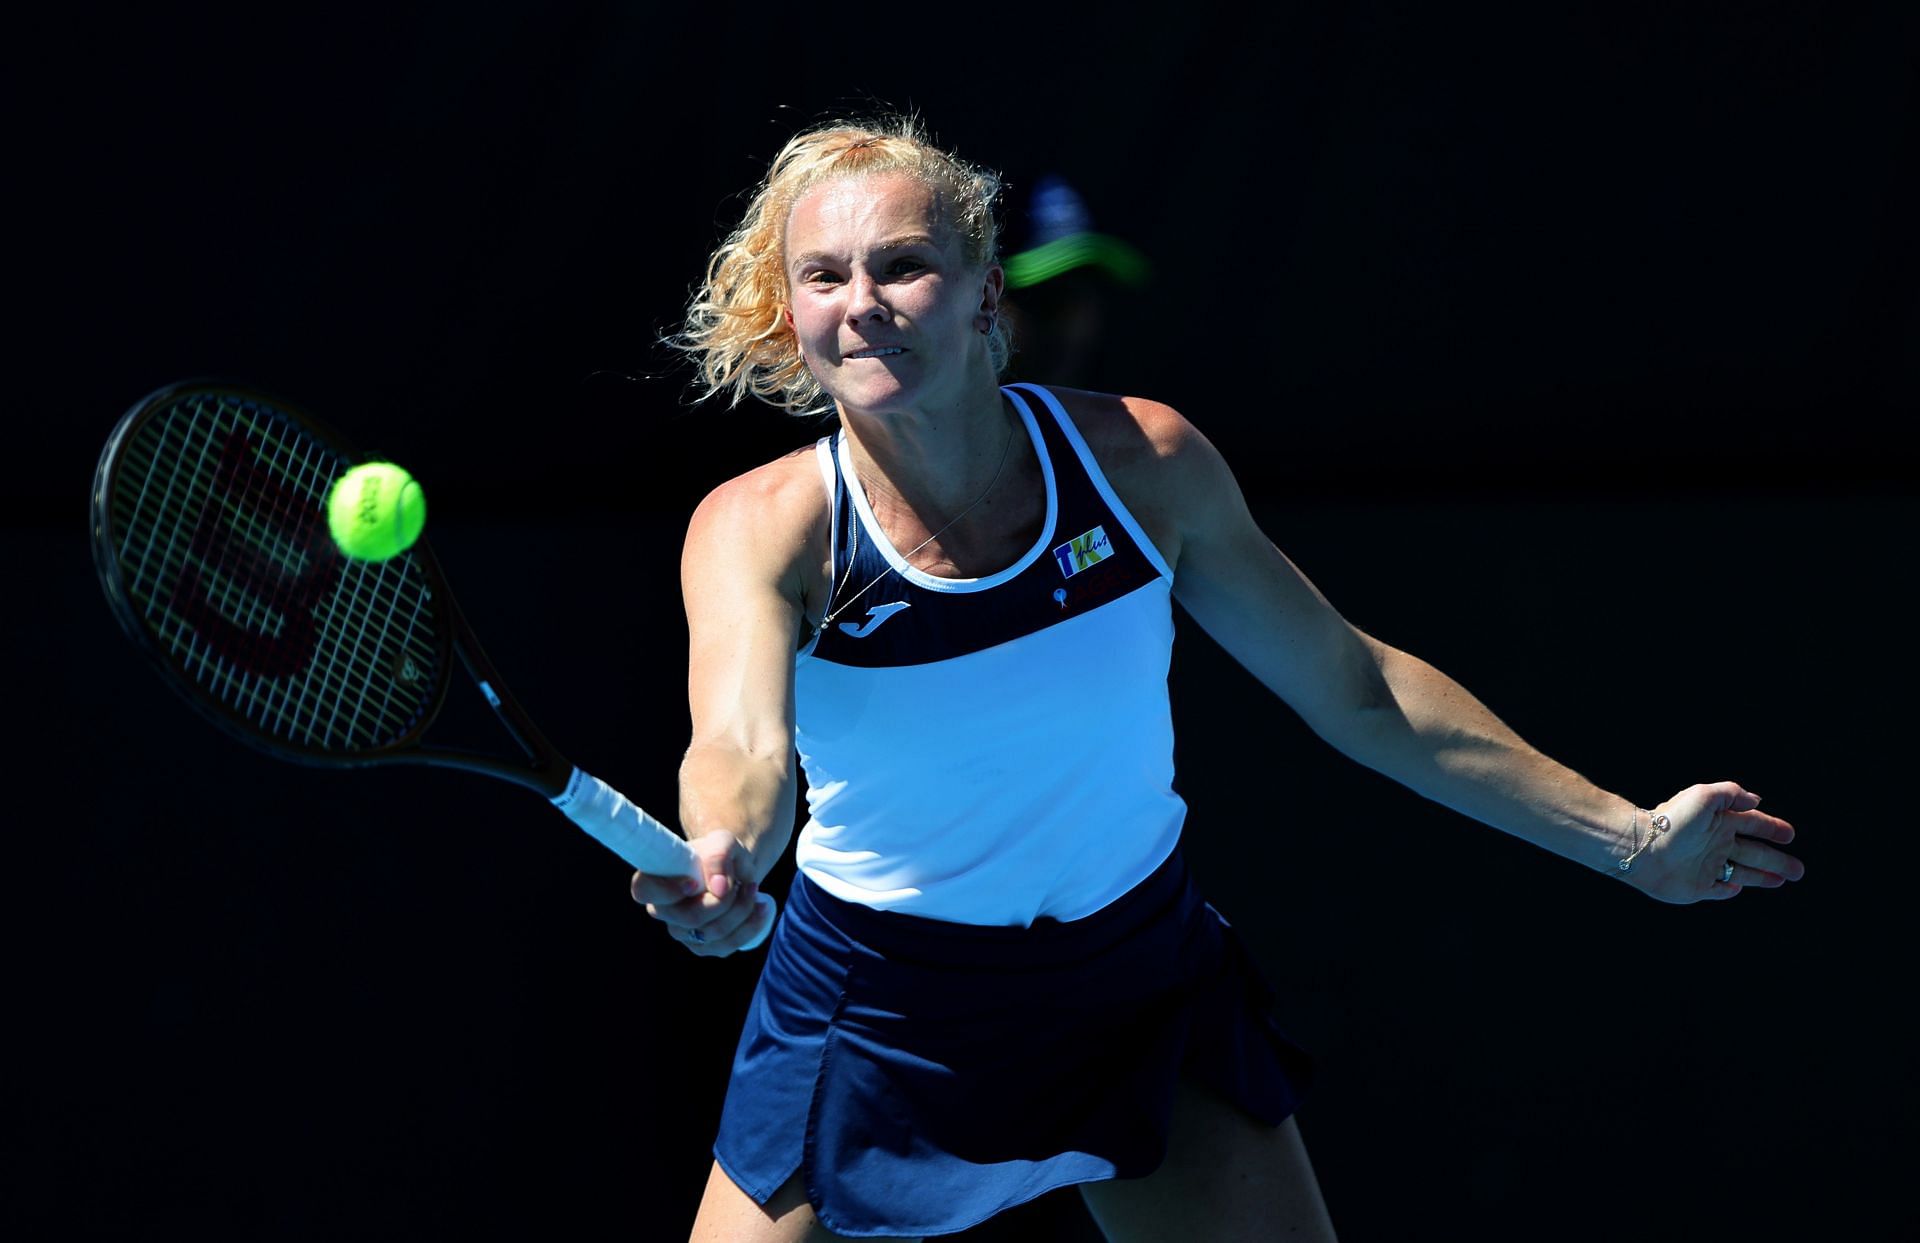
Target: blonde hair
[(736, 326)]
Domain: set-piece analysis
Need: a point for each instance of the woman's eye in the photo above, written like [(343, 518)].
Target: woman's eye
[(820, 278)]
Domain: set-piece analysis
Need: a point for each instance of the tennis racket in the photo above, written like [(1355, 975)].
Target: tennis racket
[(210, 538)]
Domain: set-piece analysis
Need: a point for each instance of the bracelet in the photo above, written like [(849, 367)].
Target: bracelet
[(1657, 824)]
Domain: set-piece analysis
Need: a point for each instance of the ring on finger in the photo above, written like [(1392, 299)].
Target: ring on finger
[(1726, 871), (696, 936)]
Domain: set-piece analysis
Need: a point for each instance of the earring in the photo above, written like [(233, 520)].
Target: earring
[(993, 321)]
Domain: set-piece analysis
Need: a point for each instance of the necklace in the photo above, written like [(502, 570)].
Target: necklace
[(854, 543)]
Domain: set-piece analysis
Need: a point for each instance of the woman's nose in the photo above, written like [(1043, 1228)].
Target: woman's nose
[(864, 303)]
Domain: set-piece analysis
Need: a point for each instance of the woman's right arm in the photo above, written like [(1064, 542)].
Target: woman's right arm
[(743, 577)]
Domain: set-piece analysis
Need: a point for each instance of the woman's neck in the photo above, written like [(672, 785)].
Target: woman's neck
[(956, 523), (935, 463)]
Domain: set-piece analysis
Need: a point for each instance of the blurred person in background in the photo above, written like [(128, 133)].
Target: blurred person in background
[(1064, 281)]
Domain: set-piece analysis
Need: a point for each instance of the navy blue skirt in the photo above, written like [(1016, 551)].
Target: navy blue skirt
[(926, 1075)]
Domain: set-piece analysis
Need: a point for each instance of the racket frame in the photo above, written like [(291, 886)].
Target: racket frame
[(644, 842), (543, 770)]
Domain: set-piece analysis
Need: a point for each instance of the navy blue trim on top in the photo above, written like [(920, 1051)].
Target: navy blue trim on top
[(907, 617)]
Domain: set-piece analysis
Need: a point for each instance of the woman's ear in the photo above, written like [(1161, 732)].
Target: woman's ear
[(996, 285)]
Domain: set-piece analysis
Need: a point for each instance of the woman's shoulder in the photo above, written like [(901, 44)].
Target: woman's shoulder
[(772, 515), (1134, 439), (1148, 452)]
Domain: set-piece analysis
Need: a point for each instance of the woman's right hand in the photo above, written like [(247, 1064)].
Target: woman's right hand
[(717, 914)]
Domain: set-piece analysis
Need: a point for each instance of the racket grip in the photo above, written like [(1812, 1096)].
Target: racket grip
[(611, 819)]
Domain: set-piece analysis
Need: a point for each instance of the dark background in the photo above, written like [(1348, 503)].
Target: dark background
[(1572, 350)]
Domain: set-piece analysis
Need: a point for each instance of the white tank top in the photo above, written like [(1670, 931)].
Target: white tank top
[(992, 750)]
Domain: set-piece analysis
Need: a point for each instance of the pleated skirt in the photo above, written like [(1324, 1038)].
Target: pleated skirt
[(925, 1075)]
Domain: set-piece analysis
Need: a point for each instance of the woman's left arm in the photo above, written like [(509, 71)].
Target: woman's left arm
[(1399, 715)]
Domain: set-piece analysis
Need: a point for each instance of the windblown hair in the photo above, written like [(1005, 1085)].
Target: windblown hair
[(736, 328)]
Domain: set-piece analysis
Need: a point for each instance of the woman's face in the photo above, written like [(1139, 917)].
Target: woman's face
[(883, 305)]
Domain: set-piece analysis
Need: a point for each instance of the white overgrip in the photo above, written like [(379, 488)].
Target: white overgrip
[(611, 819)]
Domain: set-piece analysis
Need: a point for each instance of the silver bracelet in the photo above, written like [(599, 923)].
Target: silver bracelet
[(1657, 823)]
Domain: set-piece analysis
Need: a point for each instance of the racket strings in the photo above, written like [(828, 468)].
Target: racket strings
[(223, 547), (306, 708)]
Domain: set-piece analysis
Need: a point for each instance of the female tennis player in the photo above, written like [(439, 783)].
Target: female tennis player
[(994, 976)]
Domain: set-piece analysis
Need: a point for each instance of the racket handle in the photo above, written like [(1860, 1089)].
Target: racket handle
[(647, 845), (610, 819)]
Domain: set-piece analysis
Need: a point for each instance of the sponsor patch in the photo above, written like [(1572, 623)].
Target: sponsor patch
[(1083, 551)]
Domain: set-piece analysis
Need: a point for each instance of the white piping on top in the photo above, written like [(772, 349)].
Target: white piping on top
[(932, 582), (1099, 478)]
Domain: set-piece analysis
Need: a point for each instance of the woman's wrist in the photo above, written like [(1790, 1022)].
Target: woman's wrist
[(1644, 829)]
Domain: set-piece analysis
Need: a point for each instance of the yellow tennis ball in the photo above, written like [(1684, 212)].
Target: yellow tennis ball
[(376, 511)]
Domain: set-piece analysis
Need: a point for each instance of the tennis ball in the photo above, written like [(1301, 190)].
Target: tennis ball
[(375, 511)]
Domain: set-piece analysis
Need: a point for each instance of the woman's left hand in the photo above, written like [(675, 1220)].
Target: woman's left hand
[(1714, 827)]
